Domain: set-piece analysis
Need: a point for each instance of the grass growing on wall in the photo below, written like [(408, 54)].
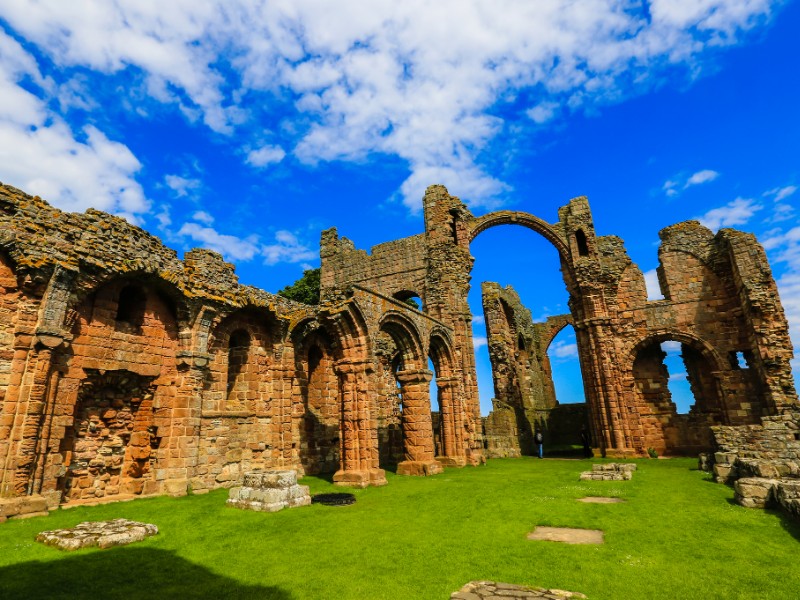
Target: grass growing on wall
[(677, 536)]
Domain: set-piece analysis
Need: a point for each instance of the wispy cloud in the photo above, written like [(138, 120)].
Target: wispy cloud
[(287, 248), (736, 212), (563, 350), (676, 185), (182, 186), (266, 155), (652, 284), (478, 341)]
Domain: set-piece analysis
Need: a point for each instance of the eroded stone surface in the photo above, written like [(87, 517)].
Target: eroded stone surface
[(567, 535), (492, 590), (609, 472), (103, 534), (269, 491)]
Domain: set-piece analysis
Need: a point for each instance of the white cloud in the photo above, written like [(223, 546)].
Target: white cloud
[(671, 346), (544, 112), (230, 246), (672, 187), (478, 341), (677, 376), (652, 284), (287, 248), (203, 217), (41, 154), (736, 212), (563, 350), (397, 78), (181, 185), (781, 193), (266, 155), (701, 177), (478, 321)]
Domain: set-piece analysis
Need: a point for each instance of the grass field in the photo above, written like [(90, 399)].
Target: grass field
[(678, 536)]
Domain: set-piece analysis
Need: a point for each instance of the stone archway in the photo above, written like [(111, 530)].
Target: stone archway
[(661, 426), (452, 433), (414, 379)]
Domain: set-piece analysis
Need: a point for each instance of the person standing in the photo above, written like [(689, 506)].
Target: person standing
[(586, 441), (539, 440)]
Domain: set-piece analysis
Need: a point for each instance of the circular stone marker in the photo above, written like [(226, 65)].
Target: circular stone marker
[(336, 499)]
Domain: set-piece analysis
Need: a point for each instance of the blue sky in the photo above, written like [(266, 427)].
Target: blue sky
[(250, 127)]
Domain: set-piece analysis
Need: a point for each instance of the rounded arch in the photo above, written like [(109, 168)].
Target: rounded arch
[(408, 297), (510, 217), (668, 334), (555, 326), (407, 338), (440, 350)]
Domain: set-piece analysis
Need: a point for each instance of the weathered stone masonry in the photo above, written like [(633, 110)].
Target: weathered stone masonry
[(126, 371)]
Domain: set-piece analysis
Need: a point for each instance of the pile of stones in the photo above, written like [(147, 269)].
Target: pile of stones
[(480, 590), (609, 472), (103, 534), (269, 491)]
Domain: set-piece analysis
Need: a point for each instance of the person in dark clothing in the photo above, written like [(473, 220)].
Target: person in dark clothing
[(538, 439), (587, 443)]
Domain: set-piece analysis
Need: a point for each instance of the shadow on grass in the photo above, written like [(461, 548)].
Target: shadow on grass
[(128, 573), (789, 524)]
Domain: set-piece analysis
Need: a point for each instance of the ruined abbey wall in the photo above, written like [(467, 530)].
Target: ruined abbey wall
[(125, 371)]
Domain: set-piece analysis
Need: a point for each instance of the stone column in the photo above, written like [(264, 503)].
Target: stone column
[(358, 441), (417, 426), (451, 423), (178, 460)]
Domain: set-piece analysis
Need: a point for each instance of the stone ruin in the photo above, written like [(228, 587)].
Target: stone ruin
[(125, 371)]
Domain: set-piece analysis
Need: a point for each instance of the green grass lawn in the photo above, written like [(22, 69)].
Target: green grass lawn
[(678, 536)]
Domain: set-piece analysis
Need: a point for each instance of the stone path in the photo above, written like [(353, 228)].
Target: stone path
[(567, 535), (492, 590), (103, 534)]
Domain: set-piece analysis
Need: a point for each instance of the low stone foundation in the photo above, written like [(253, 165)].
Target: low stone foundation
[(103, 534), (489, 590), (609, 472), (23, 507), (762, 462), (269, 491)]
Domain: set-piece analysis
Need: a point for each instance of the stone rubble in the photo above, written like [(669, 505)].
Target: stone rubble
[(269, 491), (492, 590), (609, 472), (102, 534)]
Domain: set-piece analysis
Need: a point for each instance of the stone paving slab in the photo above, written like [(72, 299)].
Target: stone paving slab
[(567, 535), (103, 534), (492, 590), (601, 500)]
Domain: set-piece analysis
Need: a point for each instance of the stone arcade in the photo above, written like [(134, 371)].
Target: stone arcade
[(125, 371)]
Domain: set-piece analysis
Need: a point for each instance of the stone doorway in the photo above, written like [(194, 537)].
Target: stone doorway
[(109, 449)]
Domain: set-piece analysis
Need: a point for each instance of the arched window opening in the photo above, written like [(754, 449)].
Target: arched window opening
[(131, 305), (562, 368), (580, 240), (412, 299), (678, 396), (520, 343), (238, 350), (436, 409)]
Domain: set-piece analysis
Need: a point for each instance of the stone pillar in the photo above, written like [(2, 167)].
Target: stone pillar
[(452, 426), (417, 426), (28, 390), (180, 423), (358, 442)]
